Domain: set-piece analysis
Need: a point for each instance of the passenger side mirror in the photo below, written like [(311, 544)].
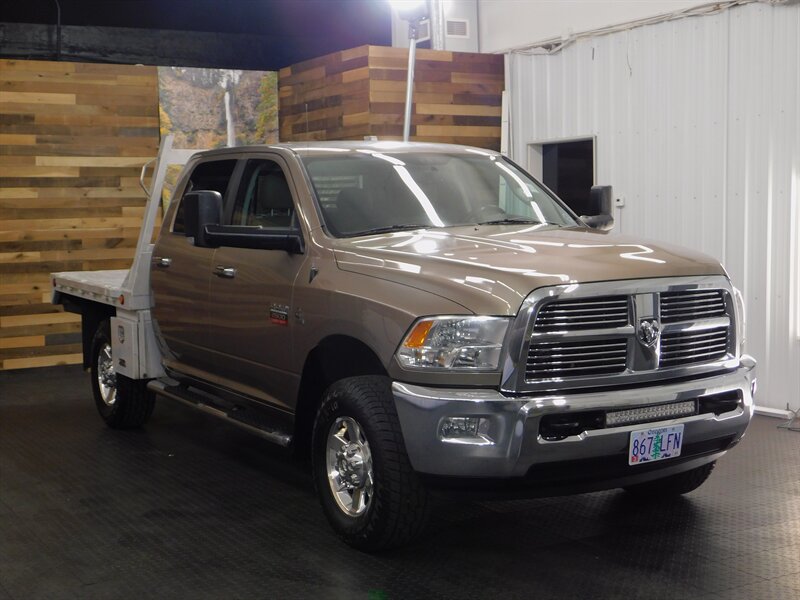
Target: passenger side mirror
[(200, 209), (601, 203)]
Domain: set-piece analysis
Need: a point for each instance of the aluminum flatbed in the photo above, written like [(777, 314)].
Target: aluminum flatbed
[(105, 287), (127, 288), (123, 295)]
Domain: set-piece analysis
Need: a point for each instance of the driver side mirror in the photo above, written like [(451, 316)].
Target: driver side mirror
[(601, 202), (201, 208)]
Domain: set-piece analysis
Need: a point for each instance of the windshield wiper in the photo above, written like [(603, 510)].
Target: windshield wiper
[(514, 220), (388, 229)]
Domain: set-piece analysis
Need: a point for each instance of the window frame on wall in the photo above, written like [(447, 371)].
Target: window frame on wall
[(535, 159)]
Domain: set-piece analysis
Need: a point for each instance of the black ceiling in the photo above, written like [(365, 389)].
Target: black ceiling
[(294, 30)]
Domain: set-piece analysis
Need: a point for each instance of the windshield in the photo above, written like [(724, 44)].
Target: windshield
[(364, 191)]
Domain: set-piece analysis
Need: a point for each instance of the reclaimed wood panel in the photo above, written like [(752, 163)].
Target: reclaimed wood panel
[(73, 138), (361, 92)]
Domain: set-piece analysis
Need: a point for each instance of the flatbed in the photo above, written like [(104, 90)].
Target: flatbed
[(123, 295), (105, 287), (127, 288)]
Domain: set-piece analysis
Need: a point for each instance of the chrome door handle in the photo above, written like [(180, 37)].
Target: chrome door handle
[(228, 272), (162, 261)]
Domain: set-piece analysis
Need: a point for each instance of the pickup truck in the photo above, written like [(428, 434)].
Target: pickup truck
[(418, 317)]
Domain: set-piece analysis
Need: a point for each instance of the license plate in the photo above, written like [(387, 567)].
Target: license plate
[(658, 443)]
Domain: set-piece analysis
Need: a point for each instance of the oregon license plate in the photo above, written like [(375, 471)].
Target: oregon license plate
[(658, 443)]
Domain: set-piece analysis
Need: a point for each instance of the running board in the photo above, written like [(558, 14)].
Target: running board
[(199, 401)]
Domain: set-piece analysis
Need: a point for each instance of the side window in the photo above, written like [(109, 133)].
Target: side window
[(264, 198), (213, 175)]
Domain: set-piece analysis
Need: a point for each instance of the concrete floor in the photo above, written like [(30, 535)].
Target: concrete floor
[(192, 507)]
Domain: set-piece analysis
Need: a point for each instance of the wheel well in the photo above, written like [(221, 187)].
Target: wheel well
[(92, 314), (335, 358)]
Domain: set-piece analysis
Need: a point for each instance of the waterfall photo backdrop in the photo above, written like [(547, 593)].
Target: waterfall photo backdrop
[(214, 108)]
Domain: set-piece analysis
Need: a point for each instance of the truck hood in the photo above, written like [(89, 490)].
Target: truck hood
[(491, 269)]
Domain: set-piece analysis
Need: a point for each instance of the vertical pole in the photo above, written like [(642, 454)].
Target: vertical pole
[(412, 54), (58, 30), (436, 23)]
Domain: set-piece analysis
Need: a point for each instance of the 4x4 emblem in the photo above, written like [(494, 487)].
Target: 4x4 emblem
[(649, 331)]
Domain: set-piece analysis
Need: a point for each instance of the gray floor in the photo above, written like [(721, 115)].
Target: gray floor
[(190, 507)]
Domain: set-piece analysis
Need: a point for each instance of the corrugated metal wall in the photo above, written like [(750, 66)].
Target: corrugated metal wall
[(697, 126)]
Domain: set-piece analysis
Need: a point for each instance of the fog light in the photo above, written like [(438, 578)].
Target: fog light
[(754, 387), (465, 430)]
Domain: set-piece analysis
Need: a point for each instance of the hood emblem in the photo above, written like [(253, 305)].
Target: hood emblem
[(649, 331)]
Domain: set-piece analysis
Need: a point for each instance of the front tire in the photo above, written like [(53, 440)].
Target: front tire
[(674, 485), (369, 492), (123, 403)]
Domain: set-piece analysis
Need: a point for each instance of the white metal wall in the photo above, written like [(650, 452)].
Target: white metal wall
[(697, 126), (510, 23)]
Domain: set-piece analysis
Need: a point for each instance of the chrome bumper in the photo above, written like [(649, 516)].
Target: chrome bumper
[(516, 446)]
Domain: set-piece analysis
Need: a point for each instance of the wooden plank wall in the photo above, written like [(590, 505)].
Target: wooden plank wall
[(359, 92), (73, 138)]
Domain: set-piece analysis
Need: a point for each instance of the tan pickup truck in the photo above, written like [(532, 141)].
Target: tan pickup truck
[(420, 317)]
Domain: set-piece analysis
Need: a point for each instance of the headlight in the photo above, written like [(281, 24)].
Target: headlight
[(740, 319), (468, 343)]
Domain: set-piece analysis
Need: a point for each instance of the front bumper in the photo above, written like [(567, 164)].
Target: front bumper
[(518, 451)]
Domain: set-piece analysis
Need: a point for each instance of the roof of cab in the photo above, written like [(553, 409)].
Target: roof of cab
[(323, 148)]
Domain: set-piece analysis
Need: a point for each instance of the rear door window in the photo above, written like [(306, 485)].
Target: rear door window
[(213, 175)]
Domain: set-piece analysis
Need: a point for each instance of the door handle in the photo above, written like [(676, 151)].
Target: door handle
[(162, 261), (228, 272)]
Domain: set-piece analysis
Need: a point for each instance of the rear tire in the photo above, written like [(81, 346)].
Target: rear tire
[(358, 449), (123, 403), (674, 485)]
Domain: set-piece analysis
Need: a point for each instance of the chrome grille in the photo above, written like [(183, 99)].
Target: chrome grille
[(585, 313), (551, 359), (691, 305), (689, 347), (593, 334)]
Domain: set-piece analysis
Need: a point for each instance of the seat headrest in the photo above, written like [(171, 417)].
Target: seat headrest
[(273, 192), (353, 210), (353, 197)]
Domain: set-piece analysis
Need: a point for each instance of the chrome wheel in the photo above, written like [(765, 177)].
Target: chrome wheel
[(106, 378), (349, 466)]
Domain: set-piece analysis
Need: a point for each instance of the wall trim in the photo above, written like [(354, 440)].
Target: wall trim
[(775, 413)]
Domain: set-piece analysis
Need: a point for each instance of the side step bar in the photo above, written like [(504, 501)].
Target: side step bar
[(201, 402)]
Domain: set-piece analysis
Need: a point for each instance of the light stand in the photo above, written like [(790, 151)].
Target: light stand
[(413, 34), (413, 11)]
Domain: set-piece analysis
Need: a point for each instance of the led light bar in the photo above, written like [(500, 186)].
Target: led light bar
[(646, 414)]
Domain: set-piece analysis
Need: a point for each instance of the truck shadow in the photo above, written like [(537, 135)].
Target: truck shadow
[(196, 503), (595, 526)]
